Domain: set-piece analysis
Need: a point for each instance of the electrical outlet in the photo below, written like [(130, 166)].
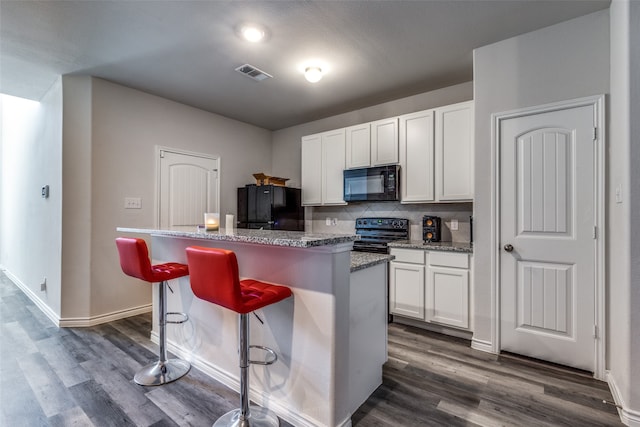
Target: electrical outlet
[(454, 225), (132, 203), (43, 285)]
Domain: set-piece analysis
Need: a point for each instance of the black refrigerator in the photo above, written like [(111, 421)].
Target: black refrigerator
[(270, 207)]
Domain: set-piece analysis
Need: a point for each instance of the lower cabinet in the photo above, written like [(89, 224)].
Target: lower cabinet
[(430, 286)]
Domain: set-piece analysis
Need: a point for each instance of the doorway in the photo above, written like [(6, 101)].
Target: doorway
[(549, 233), (188, 186)]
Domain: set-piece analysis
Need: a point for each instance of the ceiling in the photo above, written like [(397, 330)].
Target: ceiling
[(187, 51)]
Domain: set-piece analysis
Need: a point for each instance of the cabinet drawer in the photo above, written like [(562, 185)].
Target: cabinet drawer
[(412, 256), (448, 259)]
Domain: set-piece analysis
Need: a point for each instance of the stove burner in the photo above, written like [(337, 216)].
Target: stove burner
[(376, 233)]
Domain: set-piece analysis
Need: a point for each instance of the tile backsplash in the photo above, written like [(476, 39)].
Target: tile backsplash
[(342, 219)]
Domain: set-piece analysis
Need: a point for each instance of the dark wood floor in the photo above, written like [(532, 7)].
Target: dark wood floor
[(83, 377)]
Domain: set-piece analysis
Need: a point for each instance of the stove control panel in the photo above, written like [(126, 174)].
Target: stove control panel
[(383, 223)]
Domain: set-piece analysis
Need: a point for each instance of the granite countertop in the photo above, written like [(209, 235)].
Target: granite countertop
[(462, 247), (297, 239), (362, 260)]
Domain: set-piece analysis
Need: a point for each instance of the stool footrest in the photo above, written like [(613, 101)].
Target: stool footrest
[(269, 361), (185, 317)]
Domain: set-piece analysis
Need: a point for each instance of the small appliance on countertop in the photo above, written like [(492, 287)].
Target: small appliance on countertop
[(270, 207), (431, 228), (376, 233)]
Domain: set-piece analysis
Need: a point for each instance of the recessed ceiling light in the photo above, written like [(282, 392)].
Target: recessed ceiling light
[(252, 32), (313, 74)]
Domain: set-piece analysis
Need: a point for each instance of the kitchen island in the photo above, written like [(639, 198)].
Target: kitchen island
[(330, 337)]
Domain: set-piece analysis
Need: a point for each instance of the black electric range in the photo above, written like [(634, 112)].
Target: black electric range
[(376, 233)]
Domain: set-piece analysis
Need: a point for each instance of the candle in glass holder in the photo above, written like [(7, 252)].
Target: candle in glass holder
[(211, 221)]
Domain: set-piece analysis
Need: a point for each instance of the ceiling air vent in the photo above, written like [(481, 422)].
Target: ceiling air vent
[(253, 72)]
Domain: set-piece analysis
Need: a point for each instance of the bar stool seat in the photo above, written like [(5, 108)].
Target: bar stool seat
[(214, 278), (135, 262)]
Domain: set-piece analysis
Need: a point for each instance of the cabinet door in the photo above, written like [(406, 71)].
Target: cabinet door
[(406, 290), (448, 296), (454, 152), (416, 157), (384, 142), (333, 161), (311, 168), (358, 142)]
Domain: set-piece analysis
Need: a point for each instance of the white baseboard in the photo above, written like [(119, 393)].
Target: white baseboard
[(628, 416), (52, 315), (482, 345), (232, 381), (68, 322)]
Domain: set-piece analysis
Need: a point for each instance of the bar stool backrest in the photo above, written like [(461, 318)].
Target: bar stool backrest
[(214, 276), (134, 258)]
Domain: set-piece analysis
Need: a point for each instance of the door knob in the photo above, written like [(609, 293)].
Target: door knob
[(508, 247)]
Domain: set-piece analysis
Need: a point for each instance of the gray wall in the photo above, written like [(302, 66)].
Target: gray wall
[(95, 144), (564, 61)]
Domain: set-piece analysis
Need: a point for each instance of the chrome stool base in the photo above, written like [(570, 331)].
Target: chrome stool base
[(260, 417), (159, 373)]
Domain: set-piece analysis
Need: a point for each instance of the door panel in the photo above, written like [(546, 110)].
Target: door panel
[(188, 188), (547, 281)]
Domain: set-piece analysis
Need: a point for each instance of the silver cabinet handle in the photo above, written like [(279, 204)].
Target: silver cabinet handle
[(508, 247)]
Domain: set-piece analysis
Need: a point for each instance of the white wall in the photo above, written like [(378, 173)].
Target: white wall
[(564, 61), (618, 213), (30, 230), (624, 228)]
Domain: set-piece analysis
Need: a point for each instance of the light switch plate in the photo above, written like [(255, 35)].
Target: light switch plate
[(454, 225), (132, 203)]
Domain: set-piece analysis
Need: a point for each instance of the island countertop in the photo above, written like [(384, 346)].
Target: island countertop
[(362, 260), (297, 239)]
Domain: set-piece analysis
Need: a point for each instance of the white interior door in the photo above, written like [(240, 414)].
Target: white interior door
[(547, 236), (188, 188)]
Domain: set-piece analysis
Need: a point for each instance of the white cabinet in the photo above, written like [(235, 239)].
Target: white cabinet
[(436, 154), (384, 142), (431, 286), (406, 283), (311, 170), (323, 160), (454, 152), (358, 143), (417, 157), (372, 144), (447, 294)]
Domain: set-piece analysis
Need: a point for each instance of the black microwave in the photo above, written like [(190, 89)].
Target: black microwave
[(380, 183)]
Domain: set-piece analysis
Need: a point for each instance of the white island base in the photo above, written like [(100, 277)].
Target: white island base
[(330, 337)]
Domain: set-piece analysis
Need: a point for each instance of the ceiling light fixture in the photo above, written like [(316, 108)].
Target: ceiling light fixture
[(313, 74), (252, 33)]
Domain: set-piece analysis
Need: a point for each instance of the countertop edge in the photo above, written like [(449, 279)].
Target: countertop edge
[(363, 260), (460, 247)]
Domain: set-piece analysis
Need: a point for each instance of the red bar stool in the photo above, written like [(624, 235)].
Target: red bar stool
[(134, 260), (214, 278)]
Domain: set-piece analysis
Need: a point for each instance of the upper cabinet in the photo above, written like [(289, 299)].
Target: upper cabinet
[(434, 149), (436, 154), (454, 152), (384, 142), (323, 160), (417, 157), (372, 144), (358, 143)]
